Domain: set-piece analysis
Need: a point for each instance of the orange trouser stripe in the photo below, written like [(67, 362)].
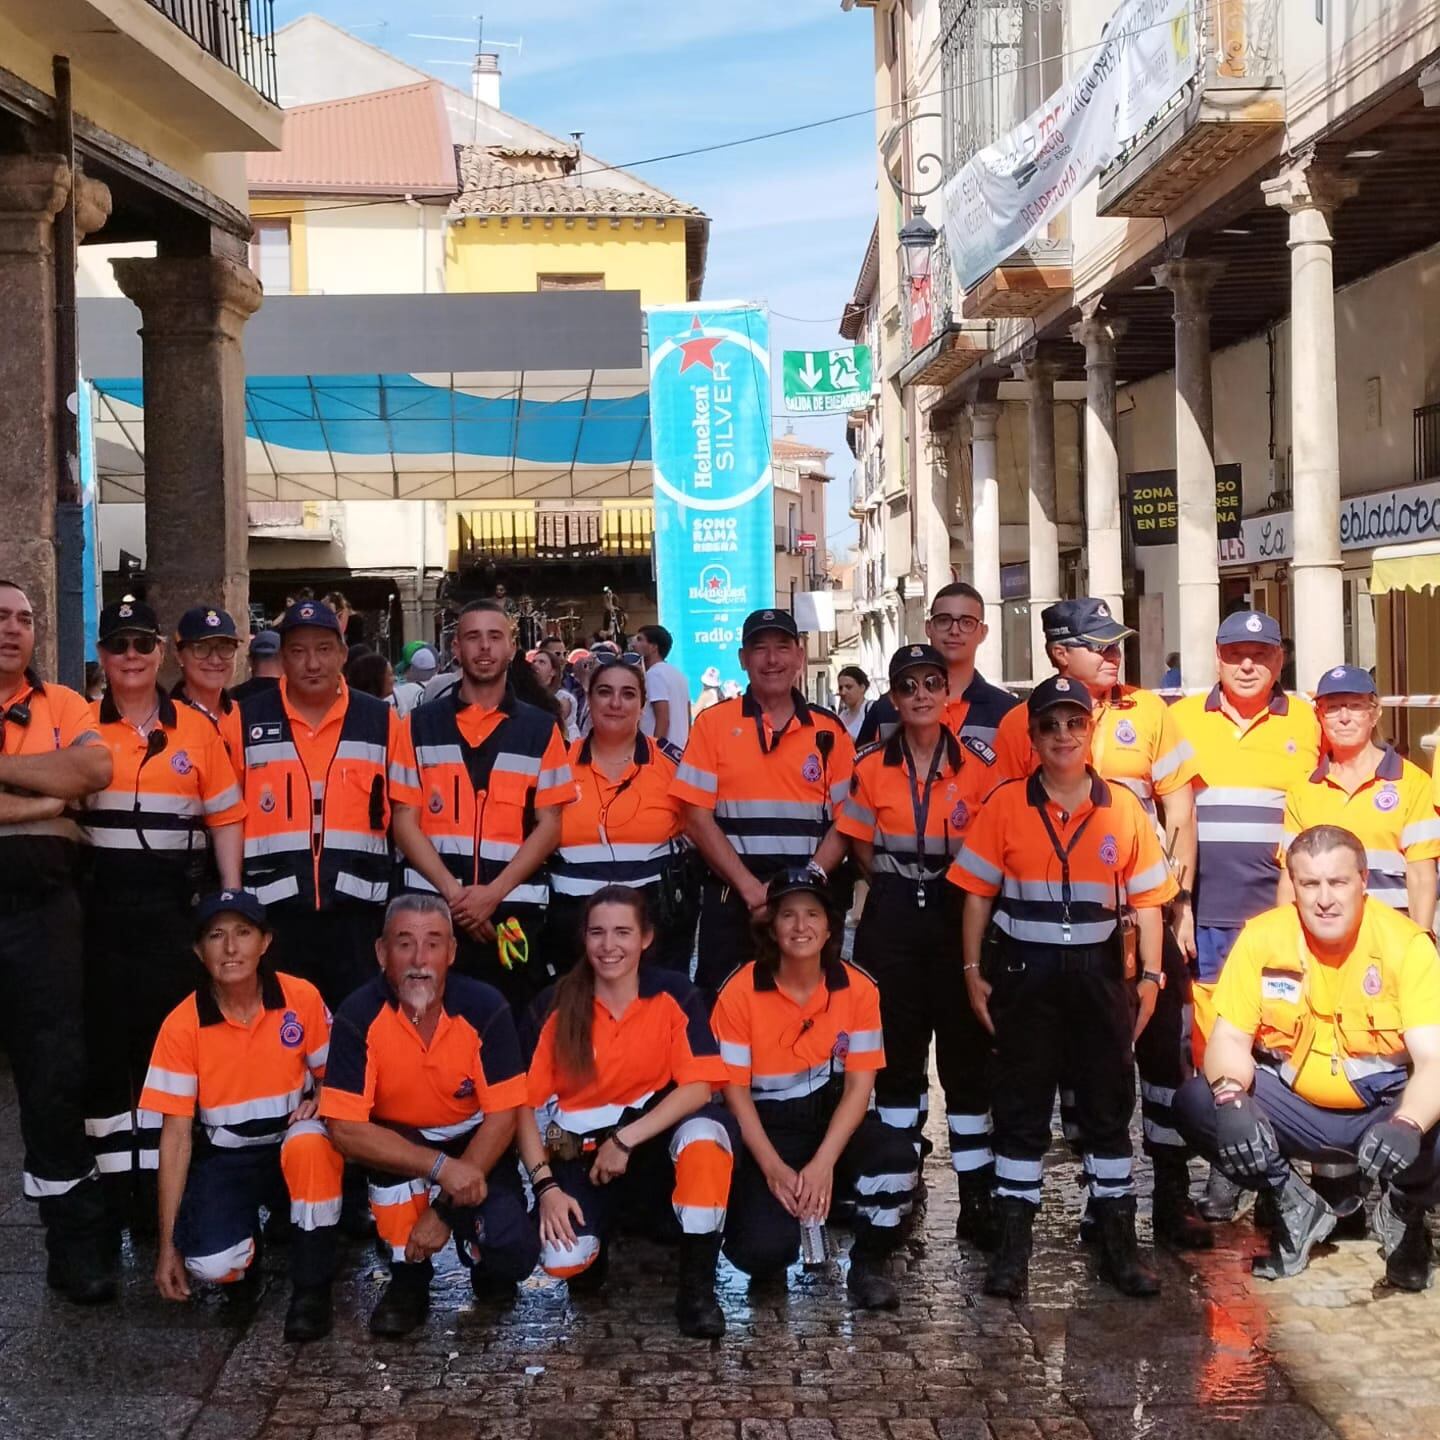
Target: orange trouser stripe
[(702, 1175)]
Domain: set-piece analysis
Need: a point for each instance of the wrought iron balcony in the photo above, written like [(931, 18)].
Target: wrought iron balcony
[(240, 34), (1235, 102)]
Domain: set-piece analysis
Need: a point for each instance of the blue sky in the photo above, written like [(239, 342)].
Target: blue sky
[(791, 217)]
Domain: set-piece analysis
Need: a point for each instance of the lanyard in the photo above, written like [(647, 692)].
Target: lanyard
[(920, 808), (1063, 855)]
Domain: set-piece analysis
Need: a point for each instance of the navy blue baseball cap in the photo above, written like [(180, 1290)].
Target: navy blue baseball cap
[(913, 657), (1058, 690), (759, 621), (1248, 627), (1346, 680), (799, 880), (205, 622), (264, 644), (1086, 621), (128, 617), (315, 614), (230, 902)]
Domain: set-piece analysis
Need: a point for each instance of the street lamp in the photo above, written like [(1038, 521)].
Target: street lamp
[(917, 239)]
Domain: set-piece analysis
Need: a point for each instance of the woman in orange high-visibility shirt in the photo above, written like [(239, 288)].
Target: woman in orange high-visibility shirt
[(623, 1112), (625, 827)]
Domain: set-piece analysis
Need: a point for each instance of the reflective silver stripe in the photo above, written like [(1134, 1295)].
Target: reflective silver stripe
[(414, 880), (1238, 832), (1046, 932), (768, 809), (374, 892), (898, 1117), (450, 1132), (1157, 1094), (171, 1082), (497, 850), (529, 894), (1163, 766), (276, 890), (401, 1192), (554, 779), (1226, 795), (311, 1215), (583, 1122), (885, 1184), (1418, 832), (700, 1219), (275, 750), (1108, 1168), (364, 750), (773, 845), (858, 813), (223, 1262), (1287, 840), (838, 791), (790, 1087), (698, 1128), (557, 1260), (736, 1055), (270, 1107), (1007, 1168), (453, 844), (34, 1188), (969, 1124), (110, 801), (604, 854), (429, 756), (1150, 879), (1362, 1067), (697, 779), (404, 775), (1395, 899), (363, 842), (863, 1041), (154, 839), (315, 1059), (981, 869), (223, 801), (508, 763), (224, 1139), (283, 844)]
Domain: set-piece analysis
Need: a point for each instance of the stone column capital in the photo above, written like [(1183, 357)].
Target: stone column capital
[(190, 295), (33, 187), (1038, 363), (92, 205), (1098, 331), (1190, 281), (984, 416), (1306, 184)]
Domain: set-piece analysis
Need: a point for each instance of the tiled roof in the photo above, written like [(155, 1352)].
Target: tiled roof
[(489, 185), (787, 447), (389, 142)]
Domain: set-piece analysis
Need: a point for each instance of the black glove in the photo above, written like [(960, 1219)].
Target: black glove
[(1389, 1147), (1243, 1136)]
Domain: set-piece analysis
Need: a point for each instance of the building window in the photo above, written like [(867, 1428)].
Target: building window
[(270, 255), (569, 282)]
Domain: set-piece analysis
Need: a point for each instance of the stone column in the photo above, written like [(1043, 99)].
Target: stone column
[(1038, 370), (1198, 563), (1098, 333), (985, 531), (193, 309), (1309, 195), (33, 190)]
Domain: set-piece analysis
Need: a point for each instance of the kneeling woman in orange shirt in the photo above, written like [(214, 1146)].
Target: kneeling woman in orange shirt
[(623, 1114), (800, 1032)]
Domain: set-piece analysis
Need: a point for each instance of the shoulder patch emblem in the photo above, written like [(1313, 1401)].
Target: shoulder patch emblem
[(181, 763), (841, 1047), (292, 1032), (1109, 851), (466, 1089), (960, 816), (977, 747)]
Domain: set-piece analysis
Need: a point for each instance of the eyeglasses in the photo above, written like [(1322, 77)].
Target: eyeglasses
[(909, 685), (948, 620), (205, 649), (1054, 725), (123, 644), (630, 660)]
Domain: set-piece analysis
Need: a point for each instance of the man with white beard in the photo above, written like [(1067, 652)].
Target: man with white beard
[(422, 1085)]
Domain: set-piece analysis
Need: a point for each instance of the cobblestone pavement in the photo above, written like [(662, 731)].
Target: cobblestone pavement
[(1325, 1355)]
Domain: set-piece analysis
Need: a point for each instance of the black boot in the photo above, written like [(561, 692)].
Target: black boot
[(975, 1224), (696, 1307), (1221, 1201), (82, 1269), (311, 1314), (1173, 1216), (405, 1303), (489, 1288), (1343, 1194), (1405, 1242), (869, 1287), (1009, 1270), (1302, 1221), (1120, 1261)]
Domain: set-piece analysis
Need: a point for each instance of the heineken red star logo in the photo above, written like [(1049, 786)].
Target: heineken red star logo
[(699, 349)]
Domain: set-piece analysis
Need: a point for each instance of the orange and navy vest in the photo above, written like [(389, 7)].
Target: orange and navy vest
[(321, 839), (478, 801)]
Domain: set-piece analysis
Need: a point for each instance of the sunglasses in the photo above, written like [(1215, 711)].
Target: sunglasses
[(205, 649), (1055, 725), (909, 685), (123, 644), (630, 660)]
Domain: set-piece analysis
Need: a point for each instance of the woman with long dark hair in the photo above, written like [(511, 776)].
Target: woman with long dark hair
[(625, 827), (623, 1115), (799, 1031)]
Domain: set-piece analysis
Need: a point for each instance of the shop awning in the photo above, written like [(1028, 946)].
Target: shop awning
[(1405, 567)]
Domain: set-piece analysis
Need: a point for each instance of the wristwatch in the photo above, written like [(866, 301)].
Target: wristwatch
[(1155, 977)]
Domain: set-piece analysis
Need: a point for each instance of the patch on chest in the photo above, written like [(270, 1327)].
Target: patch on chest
[(1280, 986), (270, 730)]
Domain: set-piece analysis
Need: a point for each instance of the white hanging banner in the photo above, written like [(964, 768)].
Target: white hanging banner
[(1005, 193)]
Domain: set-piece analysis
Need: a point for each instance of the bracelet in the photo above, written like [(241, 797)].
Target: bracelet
[(973, 965), (541, 1187), (543, 1165), (815, 868), (434, 1177), (1225, 1085), (619, 1144), (1406, 1120)]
